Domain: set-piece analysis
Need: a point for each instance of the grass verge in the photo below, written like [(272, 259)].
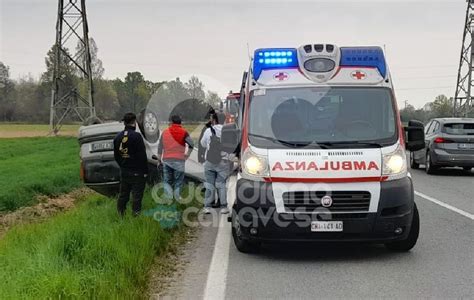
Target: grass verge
[(36, 166), (86, 252)]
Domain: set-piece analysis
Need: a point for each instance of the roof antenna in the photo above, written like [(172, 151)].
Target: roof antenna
[(248, 52)]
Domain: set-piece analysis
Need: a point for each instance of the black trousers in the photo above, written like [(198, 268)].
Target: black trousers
[(134, 184)]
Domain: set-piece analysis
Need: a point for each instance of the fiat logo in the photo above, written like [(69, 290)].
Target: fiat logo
[(326, 201)]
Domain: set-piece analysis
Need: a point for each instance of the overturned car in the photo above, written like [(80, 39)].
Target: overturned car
[(99, 171)]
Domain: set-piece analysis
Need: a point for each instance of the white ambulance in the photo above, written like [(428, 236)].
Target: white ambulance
[(322, 150)]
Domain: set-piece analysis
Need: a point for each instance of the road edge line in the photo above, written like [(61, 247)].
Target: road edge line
[(217, 274), (445, 205)]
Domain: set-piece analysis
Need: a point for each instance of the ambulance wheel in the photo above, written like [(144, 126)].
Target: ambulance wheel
[(413, 163), (410, 242), (243, 245)]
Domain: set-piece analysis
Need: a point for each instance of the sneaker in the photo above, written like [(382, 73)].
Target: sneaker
[(224, 210), (206, 210)]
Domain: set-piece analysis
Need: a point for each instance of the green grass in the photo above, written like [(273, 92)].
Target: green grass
[(33, 166), (88, 252)]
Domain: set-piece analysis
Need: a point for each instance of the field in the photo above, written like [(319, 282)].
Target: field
[(85, 252), (36, 166), (9, 130)]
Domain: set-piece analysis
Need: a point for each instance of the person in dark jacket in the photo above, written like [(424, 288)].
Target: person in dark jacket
[(130, 154)]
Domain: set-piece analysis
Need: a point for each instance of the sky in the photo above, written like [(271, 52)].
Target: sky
[(169, 39)]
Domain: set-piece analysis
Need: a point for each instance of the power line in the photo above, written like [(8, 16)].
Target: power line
[(424, 88)]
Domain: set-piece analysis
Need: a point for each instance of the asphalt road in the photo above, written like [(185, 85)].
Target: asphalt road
[(440, 266)]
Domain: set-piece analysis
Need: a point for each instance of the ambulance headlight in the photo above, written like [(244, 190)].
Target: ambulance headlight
[(395, 163), (253, 164)]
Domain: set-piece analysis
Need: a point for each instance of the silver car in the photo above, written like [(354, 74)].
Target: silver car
[(449, 143)]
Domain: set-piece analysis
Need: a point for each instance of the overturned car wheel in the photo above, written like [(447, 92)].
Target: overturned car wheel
[(149, 125)]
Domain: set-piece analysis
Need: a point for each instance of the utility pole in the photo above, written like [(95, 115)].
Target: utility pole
[(463, 102), (71, 30)]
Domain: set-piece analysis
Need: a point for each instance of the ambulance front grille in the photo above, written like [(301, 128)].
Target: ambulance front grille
[(342, 201)]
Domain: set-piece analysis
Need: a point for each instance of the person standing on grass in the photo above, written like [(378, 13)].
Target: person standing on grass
[(130, 154), (216, 167), (172, 153)]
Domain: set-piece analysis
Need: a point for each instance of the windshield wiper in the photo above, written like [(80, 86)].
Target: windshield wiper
[(347, 143), (286, 143)]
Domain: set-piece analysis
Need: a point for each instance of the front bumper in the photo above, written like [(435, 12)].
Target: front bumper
[(395, 211), (445, 159)]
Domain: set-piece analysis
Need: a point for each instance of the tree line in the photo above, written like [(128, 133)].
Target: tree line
[(441, 107), (28, 99)]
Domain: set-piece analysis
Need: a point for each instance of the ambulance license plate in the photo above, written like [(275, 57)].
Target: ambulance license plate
[(326, 226)]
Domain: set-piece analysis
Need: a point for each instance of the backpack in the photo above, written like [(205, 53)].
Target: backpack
[(214, 152)]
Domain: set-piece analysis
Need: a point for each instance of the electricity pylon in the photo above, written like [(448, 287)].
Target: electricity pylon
[(463, 102), (72, 30)]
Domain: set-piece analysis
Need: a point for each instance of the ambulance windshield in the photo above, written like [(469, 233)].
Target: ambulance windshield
[(329, 117)]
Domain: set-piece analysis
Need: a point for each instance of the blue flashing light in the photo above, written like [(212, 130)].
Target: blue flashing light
[(364, 57), (275, 58)]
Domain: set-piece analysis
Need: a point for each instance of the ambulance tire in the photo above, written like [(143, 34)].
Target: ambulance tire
[(243, 245), (413, 164), (410, 241)]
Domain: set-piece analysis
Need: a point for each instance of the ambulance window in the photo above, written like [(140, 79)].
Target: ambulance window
[(306, 116)]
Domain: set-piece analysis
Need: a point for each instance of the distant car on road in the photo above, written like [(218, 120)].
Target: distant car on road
[(449, 143)]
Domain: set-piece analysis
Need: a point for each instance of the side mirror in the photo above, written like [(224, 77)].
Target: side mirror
[(230, 138), (415, 133)]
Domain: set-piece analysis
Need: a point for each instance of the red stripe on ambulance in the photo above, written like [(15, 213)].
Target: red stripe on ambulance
[(326, 166), (326, 180)]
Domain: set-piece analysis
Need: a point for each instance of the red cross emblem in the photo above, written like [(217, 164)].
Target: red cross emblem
[(280, 76), (358, 75)]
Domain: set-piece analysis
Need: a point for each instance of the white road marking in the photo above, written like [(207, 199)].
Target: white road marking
[(217, 274), (450, 207)]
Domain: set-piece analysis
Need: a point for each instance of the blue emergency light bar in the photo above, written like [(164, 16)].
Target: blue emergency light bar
[(273, 58), (364, 57)]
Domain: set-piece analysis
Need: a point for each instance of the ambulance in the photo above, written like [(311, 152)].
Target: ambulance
[(322, 150)]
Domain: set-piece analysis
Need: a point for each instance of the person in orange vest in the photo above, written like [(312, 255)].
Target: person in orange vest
[(172, 153)]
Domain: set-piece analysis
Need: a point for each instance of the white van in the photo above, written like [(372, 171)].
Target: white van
[(322, 150)]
